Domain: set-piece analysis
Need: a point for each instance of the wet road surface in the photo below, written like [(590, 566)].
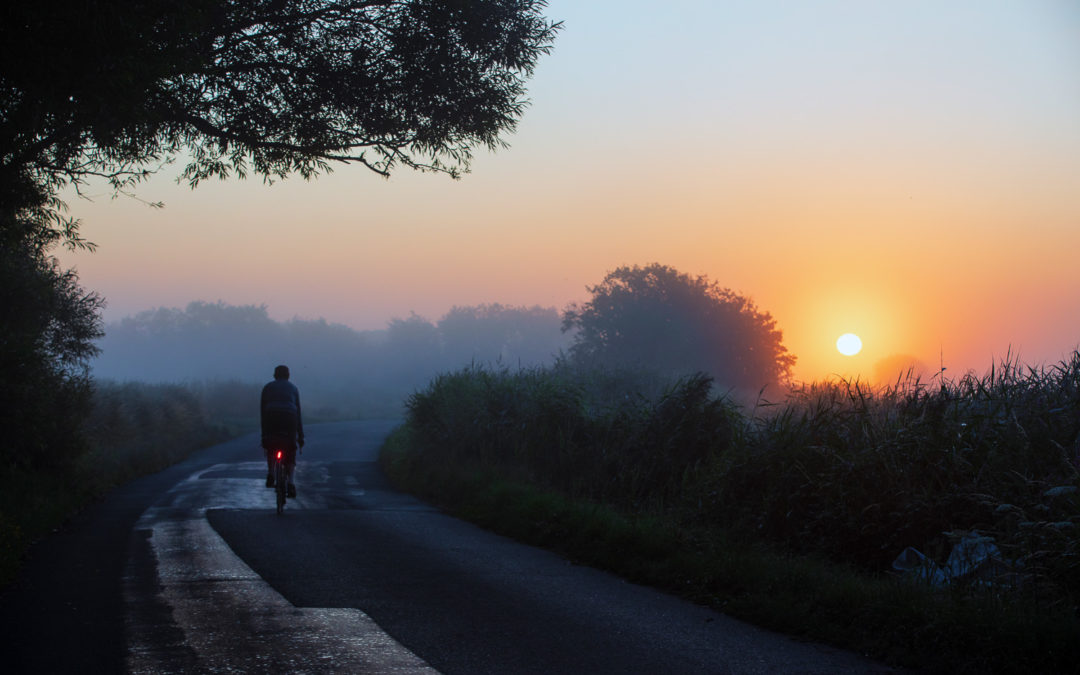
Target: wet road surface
[(355, 577)]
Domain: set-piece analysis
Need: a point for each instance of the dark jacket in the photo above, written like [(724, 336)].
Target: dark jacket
[(279, 398)]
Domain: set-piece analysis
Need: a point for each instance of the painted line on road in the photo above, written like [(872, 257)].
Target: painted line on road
[(229, 618)]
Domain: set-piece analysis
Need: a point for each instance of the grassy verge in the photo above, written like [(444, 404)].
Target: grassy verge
[(783, 519), (133, 430)]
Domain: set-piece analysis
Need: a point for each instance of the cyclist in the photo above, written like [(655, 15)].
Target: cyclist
[(282, 426)]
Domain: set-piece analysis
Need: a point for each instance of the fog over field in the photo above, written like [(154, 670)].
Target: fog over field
[(340, 371)]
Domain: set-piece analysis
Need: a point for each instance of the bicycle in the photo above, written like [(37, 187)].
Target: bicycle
[(281, 479)]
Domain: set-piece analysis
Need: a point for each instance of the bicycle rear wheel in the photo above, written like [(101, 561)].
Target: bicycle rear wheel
[(280, 480)]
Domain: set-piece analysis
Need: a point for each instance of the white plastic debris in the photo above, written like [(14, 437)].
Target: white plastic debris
[(974, 558)]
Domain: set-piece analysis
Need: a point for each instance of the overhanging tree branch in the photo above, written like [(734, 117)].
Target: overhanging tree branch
[(271, 86)]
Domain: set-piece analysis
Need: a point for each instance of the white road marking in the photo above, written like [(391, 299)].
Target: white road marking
[(230, 619)]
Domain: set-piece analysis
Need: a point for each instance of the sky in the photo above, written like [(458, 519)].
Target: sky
[(908, 171)]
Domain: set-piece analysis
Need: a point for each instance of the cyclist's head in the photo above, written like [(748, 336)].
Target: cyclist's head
[(281, 373)]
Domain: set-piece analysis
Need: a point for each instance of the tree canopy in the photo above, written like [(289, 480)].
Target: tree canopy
[(270, 87), (660, 318)]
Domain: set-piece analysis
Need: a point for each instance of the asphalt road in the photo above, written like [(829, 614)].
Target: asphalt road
[(191, 570)]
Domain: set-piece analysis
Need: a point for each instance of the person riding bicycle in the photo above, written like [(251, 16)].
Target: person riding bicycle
[(282, 426)]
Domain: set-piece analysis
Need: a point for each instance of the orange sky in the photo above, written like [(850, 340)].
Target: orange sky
[(897, 170)]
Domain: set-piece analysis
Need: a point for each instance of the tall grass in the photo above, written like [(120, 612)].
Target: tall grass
[(133, 429), (569, 430), (136, 428), (861, 474), (837, 471)]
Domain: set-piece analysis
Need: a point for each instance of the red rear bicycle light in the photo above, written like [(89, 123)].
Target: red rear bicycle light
[(279, 454)]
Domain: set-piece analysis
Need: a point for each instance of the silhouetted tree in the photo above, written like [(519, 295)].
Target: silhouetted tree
[(203, 340), (657, 317), (412, 351), (511, 335), (46, 340), (271, 87), (414, 335)]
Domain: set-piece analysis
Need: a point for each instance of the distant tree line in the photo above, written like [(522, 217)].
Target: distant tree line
[(650, 318), (340, 370)]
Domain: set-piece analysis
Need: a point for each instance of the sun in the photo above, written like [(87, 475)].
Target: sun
[(848, 344)]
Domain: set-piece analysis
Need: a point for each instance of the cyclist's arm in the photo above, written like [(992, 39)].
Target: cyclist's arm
[(299, 420)]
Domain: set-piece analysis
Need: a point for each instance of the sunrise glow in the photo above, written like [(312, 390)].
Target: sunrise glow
[(938, 204)]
